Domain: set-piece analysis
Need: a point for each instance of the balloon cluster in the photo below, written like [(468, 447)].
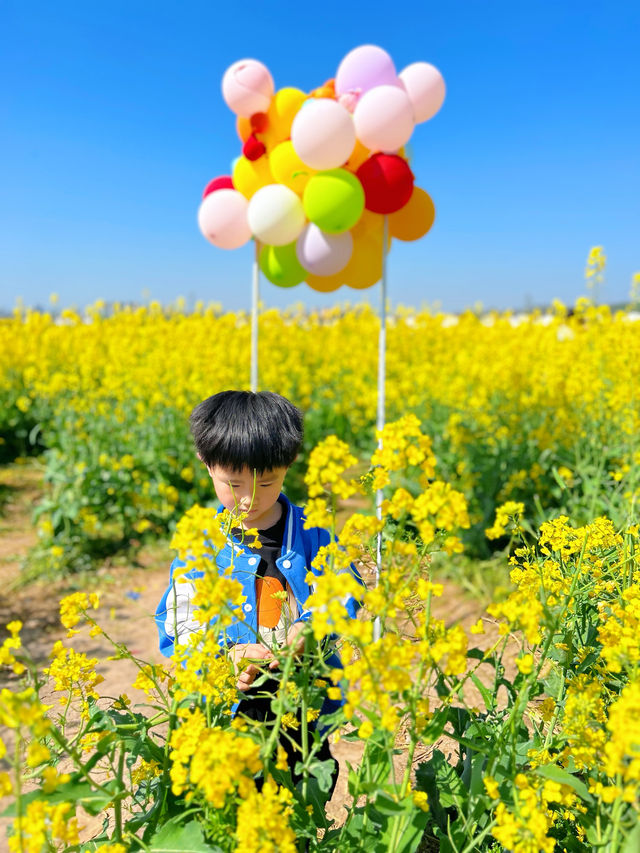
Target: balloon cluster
[(320, 171)]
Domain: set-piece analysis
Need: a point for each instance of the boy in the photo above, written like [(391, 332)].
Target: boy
[(247, 441)]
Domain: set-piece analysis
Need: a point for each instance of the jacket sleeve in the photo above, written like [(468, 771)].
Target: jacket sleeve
[(175, 617)]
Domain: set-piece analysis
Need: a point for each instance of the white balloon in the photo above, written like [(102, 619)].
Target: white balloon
[(424, 85), (276, 216)]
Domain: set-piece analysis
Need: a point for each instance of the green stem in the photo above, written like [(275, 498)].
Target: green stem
[(73, 753), (17, 769), (478, 838), (117, 806), (305, 729), (280, 704)]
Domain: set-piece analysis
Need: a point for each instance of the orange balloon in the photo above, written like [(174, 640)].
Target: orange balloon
[(325, 283), (370, 226), (413, 220), (243, 128), (365, 267), (327, 90), (280, 115)]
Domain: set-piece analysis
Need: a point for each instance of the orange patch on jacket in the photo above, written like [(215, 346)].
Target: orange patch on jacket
[(269, 608)]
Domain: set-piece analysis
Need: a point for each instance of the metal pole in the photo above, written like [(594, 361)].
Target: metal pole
[(255, 301), (380, 420)]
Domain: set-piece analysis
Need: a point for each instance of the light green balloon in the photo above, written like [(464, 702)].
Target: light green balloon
[(281, 266), (334, 200)]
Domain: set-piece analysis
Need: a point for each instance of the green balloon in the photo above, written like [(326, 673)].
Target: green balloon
[(334, 200), (281, 266)]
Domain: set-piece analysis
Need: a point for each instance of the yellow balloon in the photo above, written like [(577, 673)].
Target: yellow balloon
[(248, 176), (413, 220), (288, 169), (282, 110), (325, 283), (357, 158)]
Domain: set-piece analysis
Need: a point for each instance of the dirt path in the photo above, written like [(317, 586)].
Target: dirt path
[(129, 595)]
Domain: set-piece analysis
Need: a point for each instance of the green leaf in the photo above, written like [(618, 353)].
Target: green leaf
[(81, 793), (386, 805), (632, 843), (412, 833), (563, 777), (186, 838), (323, 771), (487, 695)]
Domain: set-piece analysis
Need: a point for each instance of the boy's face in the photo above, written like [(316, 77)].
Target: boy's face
[(255, 494)]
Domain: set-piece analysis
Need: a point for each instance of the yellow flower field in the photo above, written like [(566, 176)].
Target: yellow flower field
[(540, 409)]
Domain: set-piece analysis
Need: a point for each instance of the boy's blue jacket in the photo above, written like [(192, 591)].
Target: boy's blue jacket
[(175, 615)]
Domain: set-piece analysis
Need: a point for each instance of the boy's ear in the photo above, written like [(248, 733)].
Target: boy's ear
[(204, 463)]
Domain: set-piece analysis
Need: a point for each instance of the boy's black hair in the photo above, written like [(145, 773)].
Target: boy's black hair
[(243, 429)]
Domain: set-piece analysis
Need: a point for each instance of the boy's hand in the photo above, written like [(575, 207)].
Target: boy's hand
[(295, 639), (251, 651)]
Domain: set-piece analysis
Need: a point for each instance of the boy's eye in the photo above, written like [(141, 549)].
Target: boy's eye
[(265, 485)]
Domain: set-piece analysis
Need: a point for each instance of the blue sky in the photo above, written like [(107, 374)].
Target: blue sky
[(112, 121)]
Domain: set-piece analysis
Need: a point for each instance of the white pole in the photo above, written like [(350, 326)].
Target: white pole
[(380, 420), (255, 301)]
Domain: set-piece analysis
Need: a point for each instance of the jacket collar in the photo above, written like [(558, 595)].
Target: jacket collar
[(289, 528)]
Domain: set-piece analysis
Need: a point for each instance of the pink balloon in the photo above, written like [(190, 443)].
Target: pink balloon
[(222, 218), (323, 254), (247, 87), (384, 118), (323, 134), (425, 86), (364, 68)]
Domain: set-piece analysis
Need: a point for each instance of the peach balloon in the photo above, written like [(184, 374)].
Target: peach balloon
[(222, 218), (323, 134), (384, 118), (413, 220), (247, 87), (424, 85)]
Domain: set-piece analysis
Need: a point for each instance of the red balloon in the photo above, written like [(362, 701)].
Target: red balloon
[(387, 181), (224, 182), (253, 149)]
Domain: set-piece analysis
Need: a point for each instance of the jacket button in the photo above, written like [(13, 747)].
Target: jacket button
[(248, 608), (252, 561), (286, 564)]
